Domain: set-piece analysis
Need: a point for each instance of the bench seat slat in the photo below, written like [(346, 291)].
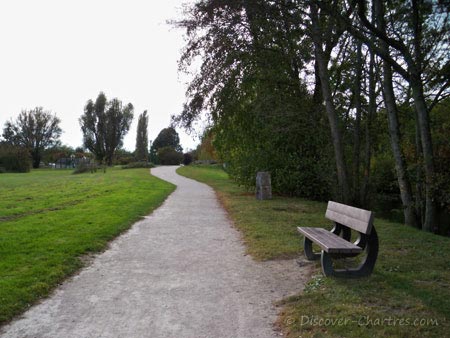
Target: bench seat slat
[(328, 241)]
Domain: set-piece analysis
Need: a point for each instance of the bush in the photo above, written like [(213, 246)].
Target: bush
[(134, 165), (384, 178), (123, 157), (169, 156), (84, 167), (14, 159), (125, 160), (187, 159)]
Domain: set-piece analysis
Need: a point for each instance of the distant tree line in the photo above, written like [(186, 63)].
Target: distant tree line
[(34, 138), (337, 99)]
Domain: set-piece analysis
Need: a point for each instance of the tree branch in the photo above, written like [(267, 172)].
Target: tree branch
[(355, 31)]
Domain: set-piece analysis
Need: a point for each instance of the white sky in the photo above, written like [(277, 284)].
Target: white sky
[(59, 53)]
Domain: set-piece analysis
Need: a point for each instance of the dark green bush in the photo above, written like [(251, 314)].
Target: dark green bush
[(84, 167), (14, 159), (125, 160), (169, 156), (187, 159), (384, 177), (134, 165)]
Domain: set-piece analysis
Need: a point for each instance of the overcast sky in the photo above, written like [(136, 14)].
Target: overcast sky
[(58, 54)]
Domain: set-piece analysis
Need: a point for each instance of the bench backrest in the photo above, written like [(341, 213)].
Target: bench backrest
[(357, 219)]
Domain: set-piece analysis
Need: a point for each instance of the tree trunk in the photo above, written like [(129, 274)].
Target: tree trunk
[(109, 159), (317, 95), (427, 149), (420, 202), (357, 131), (394, 133), (36, 159), (415, 72), (394, 128), (322, 65), (368, 130)]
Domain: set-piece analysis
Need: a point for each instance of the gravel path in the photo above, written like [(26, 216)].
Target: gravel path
[(180, 272)]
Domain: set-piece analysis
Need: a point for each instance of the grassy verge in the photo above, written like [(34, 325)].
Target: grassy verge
[(408, 295), (50, 218), (268, 227)]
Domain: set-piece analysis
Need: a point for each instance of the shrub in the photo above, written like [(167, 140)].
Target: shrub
[(187, 159), (14, 159), (169, 156), (125, 160), (84, 167), (384, 178), (134, 165)]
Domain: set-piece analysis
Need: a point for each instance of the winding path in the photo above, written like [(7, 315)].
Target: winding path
[(180, 272)]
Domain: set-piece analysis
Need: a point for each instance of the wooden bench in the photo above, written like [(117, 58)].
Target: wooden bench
[(337, 243)]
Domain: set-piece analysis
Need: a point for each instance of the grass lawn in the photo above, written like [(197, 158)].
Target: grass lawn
[(408, 295), (50, 218)]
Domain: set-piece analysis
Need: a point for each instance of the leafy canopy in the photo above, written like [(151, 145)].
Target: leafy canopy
[(35, 130), (104, 124)]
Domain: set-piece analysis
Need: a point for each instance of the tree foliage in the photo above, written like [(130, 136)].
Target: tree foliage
[(141, 152), (168, 137), (169, 156), (205, 150), (104, 124), (411, 38), (310, 90), (34, 130), (187, 158), (14, 158), (166, 148), (262, 114)]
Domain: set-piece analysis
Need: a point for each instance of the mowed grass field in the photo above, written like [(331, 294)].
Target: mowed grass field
[(49, 219), (408, 295)]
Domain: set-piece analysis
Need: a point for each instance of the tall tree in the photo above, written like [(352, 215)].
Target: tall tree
[(371, 110), (324, 37), (415, 35), (414, 74), (357, 129), (35, 130), (104, 124), (394, 127), (141, 151), (260, 57), (251, 83)]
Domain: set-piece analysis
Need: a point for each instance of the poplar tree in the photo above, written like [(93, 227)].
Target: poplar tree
[(141, 152)]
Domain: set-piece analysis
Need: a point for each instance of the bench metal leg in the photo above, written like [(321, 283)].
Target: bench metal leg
[(327, 264), (329, 271), (364, 269), (307, 247)]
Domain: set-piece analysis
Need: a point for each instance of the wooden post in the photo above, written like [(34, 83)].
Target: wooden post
[(263, 186)]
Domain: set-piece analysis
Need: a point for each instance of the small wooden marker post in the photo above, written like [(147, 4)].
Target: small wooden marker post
[(263, 186)]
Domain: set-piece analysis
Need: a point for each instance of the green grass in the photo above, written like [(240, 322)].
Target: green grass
[(411, 280), (49, 219)]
